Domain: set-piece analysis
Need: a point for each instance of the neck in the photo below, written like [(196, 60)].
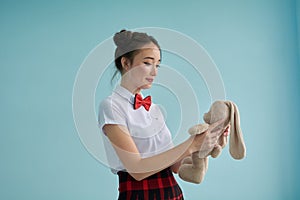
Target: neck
[(130, 87)]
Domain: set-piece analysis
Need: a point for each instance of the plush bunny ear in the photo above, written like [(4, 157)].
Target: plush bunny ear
[(237, 146)]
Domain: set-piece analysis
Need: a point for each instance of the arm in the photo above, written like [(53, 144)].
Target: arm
[(140, 168)]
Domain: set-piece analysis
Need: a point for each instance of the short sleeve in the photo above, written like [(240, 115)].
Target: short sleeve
[(110, 113)]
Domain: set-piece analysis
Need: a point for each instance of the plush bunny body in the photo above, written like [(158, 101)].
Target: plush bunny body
[(193, 169)]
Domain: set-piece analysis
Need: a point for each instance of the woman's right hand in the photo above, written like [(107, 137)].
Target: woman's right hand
[(206, 141)]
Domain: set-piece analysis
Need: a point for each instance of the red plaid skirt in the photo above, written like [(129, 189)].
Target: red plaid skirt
[(160, 186)]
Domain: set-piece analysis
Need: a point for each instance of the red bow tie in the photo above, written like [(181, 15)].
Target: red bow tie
[(139, 101)]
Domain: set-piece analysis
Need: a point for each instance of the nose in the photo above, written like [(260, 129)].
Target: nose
[(154, 70)]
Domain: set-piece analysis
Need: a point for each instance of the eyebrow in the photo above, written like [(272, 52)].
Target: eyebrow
[(151, 58)]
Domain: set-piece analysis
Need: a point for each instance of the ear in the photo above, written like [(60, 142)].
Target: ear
[(237, 146), (125, 63)]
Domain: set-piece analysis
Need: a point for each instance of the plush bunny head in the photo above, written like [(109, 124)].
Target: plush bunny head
[(193, 168), (229, 111)]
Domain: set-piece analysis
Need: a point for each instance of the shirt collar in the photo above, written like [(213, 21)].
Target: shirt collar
[(123, 92)]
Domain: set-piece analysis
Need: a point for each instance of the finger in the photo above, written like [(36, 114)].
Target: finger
[(211, 142), (211, 137), (216, 133), (226, 133), (214, 125)]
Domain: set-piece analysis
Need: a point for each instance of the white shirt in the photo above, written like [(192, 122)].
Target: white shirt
[(147, 128)]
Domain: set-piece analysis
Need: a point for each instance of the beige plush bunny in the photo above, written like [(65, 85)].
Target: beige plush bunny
[(193, 168)]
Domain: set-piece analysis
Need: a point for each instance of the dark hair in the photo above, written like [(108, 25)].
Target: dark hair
[(128, 45)]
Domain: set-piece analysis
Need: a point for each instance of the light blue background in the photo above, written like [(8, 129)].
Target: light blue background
[(255, 45)]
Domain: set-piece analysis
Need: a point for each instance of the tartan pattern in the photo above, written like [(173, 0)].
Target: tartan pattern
[(160, 186)]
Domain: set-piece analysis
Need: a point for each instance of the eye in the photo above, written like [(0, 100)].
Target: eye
[(146, 63)]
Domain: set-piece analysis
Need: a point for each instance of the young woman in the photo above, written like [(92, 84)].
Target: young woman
[(137, 141)]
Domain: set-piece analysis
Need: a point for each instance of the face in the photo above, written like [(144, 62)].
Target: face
[(141, 73)]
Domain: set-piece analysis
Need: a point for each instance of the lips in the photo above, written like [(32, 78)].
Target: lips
[(150, 80)]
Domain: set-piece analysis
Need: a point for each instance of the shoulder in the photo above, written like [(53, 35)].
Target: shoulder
[(112, 103), (107, 102), (110, 112)]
